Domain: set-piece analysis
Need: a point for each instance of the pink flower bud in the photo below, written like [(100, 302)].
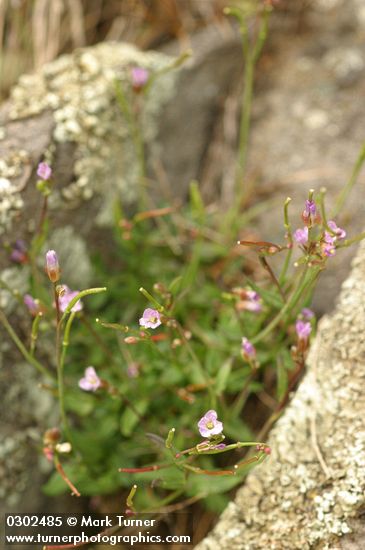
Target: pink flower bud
[(52, 266), (139, 77)]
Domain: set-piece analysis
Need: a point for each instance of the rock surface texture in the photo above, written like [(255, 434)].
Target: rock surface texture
[(308, 118), (310, 494)]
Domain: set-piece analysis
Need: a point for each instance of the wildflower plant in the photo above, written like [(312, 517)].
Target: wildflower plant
[(156, 368)]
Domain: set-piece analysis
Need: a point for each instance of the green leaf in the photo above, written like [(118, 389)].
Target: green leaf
[(174, 286), (196, 201), (79, 402), (223, 375), (282, 378), (238, 430), (129, 419)]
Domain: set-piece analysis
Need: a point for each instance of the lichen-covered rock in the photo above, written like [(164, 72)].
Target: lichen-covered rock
[(68, 112), (310, 494)]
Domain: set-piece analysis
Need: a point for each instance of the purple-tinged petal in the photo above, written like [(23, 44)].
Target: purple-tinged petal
[(91, 381), (307, 313), (65, 298), (303, 329), (301, 235), (44, 171), (340, 233)]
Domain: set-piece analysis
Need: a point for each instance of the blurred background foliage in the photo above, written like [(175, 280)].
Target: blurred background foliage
[(33, 32)]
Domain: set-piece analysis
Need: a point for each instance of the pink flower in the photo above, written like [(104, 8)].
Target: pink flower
[(65, 298), (301, 235), (19, 252), (253, 302), (32, 305), (139, 77), (91, 381), (151, 318), (328, 246), (44, 171), (340, 233), (209, 424), (310, 215), (303, 329), (248, 349), (310, 208), (307, 313), (52, 266)]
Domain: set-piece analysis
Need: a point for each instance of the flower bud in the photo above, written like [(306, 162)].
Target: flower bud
[(51, 436), (131, 340), (64, 448), (52, 266)]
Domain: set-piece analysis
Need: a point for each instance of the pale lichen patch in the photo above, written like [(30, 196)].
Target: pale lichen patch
[(79, 91)]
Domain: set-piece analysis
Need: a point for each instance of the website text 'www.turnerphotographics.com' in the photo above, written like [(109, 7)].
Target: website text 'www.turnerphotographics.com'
[(82, 529)]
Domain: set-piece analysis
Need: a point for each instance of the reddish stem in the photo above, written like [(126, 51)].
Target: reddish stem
[(144, 469), (62, 473)]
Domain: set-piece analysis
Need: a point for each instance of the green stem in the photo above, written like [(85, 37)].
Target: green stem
[(31, 360), (61, 356), (251, 59), (349, 242), (303, 281), (34, 333), (151, 299), (241, 399), (203, 375), (78, 297), (350, 183), (137, 139), (322, 207), (231, 447), (57, 302), (265, 264), (287, 226)]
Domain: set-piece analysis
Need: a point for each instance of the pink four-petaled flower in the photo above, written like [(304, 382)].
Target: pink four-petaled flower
[(151, 318), (91, 381), (44, 171), (209, 424)]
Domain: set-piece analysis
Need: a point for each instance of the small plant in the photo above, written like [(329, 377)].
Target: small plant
[(208, 337), (158, 367)]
